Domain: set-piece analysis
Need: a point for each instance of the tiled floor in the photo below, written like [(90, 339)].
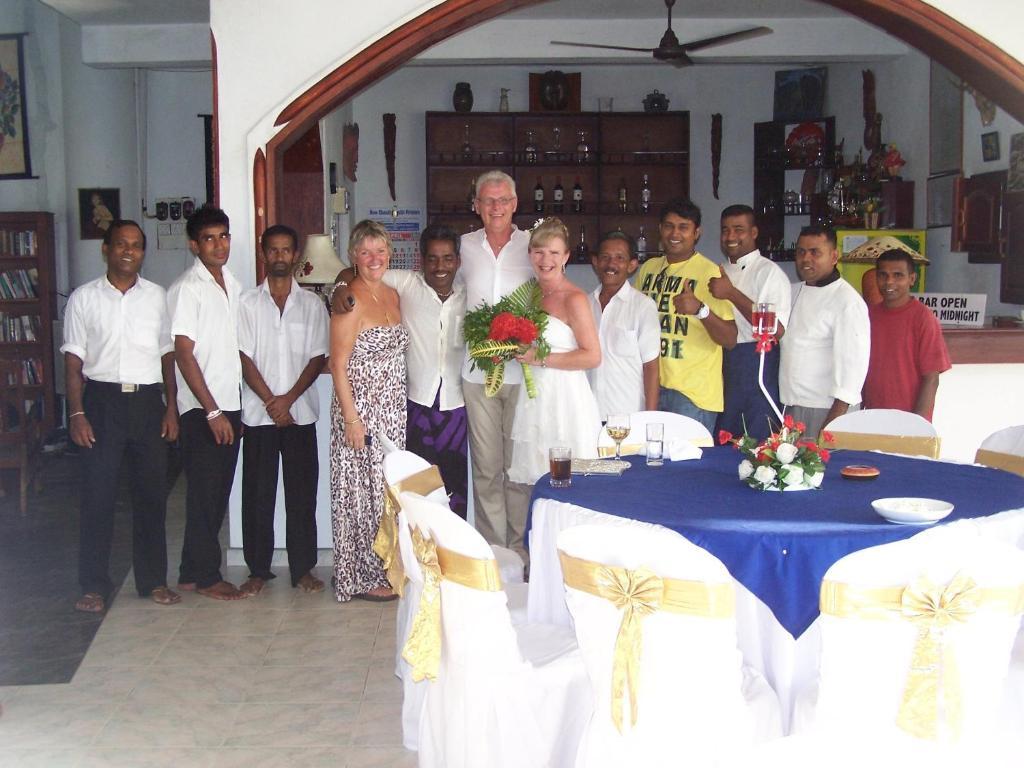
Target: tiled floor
[(282, 679)]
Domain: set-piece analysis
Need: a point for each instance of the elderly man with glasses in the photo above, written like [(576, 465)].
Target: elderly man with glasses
[(494, 263)]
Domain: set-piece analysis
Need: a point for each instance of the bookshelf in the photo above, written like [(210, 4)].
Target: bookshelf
[(28, 307)]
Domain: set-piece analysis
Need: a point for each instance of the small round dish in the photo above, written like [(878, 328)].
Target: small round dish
[(859, 472), (912, 511)]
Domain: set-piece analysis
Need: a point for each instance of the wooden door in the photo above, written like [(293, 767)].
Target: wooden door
[(977, 201), (1012, 283)]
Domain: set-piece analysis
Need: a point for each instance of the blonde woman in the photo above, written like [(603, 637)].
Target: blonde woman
[(368, 366), (564, 411)]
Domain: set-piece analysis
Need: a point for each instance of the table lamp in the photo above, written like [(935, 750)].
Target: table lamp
[(320, 262)]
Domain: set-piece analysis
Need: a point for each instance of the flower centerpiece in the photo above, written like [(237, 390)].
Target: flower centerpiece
[(497, 333), (783, 462)]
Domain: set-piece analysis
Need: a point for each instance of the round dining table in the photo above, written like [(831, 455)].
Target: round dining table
[(776, 545)]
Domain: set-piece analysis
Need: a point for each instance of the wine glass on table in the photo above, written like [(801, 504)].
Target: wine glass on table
[(617, 428)]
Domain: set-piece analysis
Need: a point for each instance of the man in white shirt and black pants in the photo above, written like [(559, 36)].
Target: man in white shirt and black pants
[(117, 348), (282, 338), (203, 305)]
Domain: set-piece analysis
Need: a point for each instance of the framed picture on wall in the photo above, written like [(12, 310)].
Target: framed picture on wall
[(97, 209), (990, 146), (15, 161), (1015, 172), (799, 94)]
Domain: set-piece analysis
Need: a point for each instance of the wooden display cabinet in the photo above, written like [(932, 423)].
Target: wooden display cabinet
[(622, 147), (778, 170), (28, 307)]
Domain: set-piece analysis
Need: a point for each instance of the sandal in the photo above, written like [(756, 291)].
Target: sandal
[(164, 596), (91, 602), (372, 598)]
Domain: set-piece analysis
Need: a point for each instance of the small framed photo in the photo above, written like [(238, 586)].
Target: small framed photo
[(97, 209), (990, 146)]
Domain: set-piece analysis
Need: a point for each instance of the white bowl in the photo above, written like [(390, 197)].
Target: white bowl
[(912, 511)]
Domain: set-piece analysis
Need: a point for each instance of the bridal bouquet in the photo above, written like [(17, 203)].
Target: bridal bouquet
[(500, 332), (782, 462)]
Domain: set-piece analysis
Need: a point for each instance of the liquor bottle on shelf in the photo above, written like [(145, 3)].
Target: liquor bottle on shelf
[(582, 148), (645, 195), (558, 196), (538, 197), (471, 198), (577, 197), (530, 150), (641, 244), (467, 148), (623, 196), (581, 254)]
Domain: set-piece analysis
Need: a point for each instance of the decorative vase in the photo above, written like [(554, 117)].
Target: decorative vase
[(462, 98)]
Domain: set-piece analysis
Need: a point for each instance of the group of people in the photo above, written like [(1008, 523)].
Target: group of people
[(240, 364)]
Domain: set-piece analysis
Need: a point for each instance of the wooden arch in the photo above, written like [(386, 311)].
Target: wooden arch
[(956, 47)]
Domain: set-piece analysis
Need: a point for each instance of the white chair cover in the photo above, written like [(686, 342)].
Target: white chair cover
[(695, 700), (677, 428), (921, 439), (505, 696), (865, 661), (1003, 449), (405, 463)]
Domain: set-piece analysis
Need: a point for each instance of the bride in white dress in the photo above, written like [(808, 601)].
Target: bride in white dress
[(564, 412)]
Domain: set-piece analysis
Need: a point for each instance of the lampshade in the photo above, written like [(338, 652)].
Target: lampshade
[(321, 263)]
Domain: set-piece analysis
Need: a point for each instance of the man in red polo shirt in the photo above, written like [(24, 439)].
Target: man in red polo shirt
[(907, 349)]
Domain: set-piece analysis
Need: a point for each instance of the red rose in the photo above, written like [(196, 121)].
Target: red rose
[(824, 454), (788, 422), (829, 438), (801, 427), (724, 437)]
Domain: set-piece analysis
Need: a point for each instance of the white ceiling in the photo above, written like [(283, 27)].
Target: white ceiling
[(116, 12)]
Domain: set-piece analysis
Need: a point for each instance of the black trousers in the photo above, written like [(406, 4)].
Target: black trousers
[(296, 447), (127, 429), (209, 471)]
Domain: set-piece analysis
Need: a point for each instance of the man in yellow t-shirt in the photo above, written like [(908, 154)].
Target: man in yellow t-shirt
[(695, 326)]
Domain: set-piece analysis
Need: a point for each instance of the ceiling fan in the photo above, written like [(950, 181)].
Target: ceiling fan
[(670, 49)]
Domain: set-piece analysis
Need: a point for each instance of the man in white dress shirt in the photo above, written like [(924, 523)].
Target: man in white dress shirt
[(495, 261), (628, 327), (118, 360), (203, 305), (282, 339), (749, 278), (827, 345)]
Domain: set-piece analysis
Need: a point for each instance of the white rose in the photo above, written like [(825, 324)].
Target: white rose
[(765, 475), (786, 452), (793, 475), (746, 469), (814, 480)]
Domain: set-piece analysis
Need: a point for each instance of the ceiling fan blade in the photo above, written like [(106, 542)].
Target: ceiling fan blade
[(605, 47), (731, 37)]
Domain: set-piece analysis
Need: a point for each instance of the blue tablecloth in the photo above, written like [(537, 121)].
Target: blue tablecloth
[(779, 545)]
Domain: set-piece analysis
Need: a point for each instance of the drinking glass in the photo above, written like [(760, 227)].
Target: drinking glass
[(763, 320), (560, 459), (617, 428), (655, 444)]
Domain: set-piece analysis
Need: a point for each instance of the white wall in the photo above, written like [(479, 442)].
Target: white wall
[(175, 157)]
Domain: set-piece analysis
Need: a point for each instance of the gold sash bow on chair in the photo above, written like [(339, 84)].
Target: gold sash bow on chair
[(906, 445), (385, 543), (423, 646), (639, 593), (931, 609)]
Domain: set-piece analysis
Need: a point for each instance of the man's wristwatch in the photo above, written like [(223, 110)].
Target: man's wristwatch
[(703, 312)]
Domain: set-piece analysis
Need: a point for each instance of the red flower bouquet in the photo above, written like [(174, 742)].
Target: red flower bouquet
[(785, 461)]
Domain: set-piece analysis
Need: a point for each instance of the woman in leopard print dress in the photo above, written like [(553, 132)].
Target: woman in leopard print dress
[(368, 365)]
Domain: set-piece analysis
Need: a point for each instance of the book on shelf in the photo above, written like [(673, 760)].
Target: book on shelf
[(19, 327), (19, 284), (18, 243)]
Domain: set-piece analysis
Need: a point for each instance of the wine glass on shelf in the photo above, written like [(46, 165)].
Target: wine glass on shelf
[(617, 428)]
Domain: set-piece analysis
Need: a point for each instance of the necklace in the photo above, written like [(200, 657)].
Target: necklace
[(387, 317), (444, 296)]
